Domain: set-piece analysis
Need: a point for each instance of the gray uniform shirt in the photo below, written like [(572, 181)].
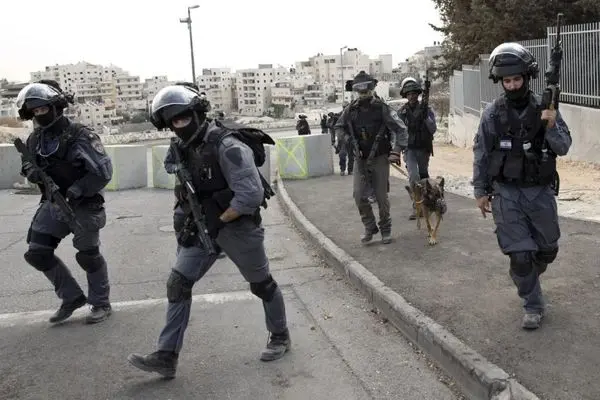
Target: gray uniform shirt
[(558, 138), (236, 160)]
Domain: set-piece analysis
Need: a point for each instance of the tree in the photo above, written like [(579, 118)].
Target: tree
[(139, 118), (474, 27), (277, 110)]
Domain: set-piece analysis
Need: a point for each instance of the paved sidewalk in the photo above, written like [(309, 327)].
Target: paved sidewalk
[(341, 349), (463, 284)]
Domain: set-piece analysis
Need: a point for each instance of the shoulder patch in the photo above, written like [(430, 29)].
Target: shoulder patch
[(234, 155), (98, 147)]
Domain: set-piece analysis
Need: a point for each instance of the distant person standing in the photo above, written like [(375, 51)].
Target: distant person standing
[(324, 123), (302, 125)]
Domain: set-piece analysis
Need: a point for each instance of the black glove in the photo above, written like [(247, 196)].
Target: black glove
[(180, 193), (185, 174), (73, 193), (395, 158), (31, 173)]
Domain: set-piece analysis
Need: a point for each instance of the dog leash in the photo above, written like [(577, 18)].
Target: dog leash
[(399, 169)]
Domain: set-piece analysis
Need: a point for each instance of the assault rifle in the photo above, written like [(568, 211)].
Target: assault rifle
[(193, 201), (551, 95), (425, 96), (51, 189), (425, 101)]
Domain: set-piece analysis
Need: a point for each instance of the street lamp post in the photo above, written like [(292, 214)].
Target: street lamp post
[(342, 64), (188, 21)]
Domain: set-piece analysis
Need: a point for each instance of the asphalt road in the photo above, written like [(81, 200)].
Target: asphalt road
[(341, 348)]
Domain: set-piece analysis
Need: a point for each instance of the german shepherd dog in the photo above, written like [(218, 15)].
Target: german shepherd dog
[(428, 196)]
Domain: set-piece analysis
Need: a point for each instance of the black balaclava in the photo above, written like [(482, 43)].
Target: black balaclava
[(518, 98), (47, 121), (191, 131)]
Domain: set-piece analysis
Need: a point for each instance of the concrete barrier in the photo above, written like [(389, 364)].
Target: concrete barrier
[(160, 178), (10, 166), (130, 170), (303, 157)]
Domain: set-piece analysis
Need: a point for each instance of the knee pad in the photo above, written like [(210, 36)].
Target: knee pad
[(265, 290), (521, 263), (90, 260), (41, 259), (179, 288), (546, 256)]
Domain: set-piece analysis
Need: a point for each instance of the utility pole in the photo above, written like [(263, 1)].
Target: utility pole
[(188, 21), (342, 63)]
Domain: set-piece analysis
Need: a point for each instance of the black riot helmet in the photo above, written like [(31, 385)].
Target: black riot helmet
[(410, 85), (183, 102), (40, 94), (510, 59), (363, 83)]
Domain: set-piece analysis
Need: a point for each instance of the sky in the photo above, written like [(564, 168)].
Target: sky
[(146, 38)]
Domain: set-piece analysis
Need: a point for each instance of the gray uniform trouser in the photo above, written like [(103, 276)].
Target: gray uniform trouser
[(527, 230), (48, 228), (379, 185), (243, 242), (417, 165)]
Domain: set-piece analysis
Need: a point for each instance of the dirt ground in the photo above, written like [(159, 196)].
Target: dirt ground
[(579, 195)]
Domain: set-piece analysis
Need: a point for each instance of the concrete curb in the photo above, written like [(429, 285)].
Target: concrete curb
[(477, 377)]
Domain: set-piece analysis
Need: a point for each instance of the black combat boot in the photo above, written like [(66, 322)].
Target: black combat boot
[(368, 235), (98, 314), (386, 237), (277, 346), (161, 362), (67, 308)]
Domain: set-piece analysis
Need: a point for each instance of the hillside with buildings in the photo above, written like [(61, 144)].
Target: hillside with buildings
[(109, 98)]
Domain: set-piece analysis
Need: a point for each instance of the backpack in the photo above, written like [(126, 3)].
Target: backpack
[(256, 140), (251, 137)]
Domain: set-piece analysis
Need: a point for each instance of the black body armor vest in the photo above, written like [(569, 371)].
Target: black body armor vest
[(367, 123), (520, 155), (418, 135), (62, 171)]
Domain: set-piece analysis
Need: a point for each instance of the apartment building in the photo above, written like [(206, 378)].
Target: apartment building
[(253, 87), (219, 84), (97, 115), (153, 85), (329, 68), (8, 108), (95, 83)]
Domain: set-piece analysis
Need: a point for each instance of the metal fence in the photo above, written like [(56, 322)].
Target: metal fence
[(471, 90)]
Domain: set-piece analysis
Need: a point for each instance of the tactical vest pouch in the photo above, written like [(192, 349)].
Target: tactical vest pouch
[(496, 162), (547, 169), (513, 166)]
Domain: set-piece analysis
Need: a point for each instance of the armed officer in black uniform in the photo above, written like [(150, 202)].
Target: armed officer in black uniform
[(515, 163), (228, 185), (73, 156)]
